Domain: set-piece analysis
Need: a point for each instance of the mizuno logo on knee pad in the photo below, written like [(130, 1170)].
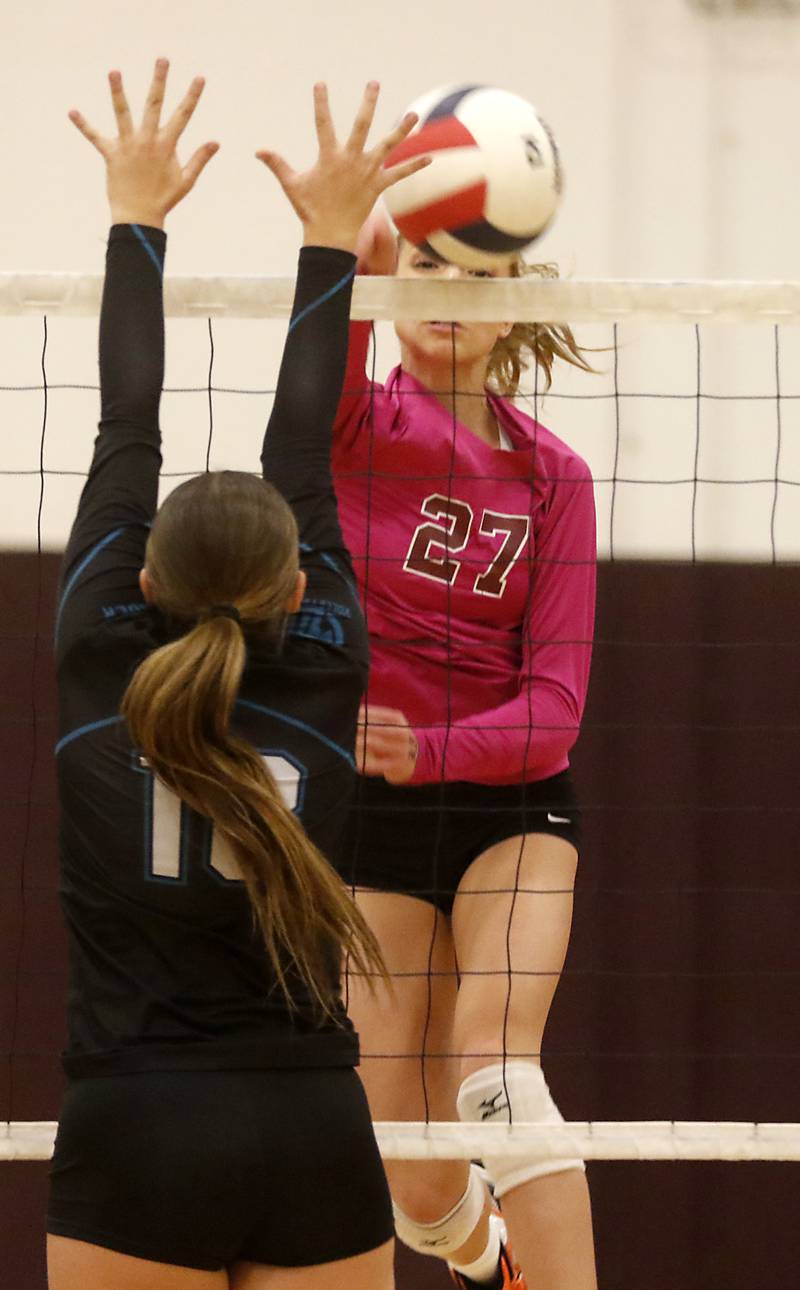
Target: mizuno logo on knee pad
[(486, 1095), (491, 1106)]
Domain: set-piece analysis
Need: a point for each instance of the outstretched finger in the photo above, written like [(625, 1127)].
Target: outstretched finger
[(397, 135), (120, 104), (155, 97), (88, 131), (402, 171), (326, 134), (364, 116), (197, 164), (183, 113), (281, 169)]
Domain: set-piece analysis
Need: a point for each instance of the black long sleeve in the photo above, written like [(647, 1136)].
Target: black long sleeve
[(106, 546), (297, 446), (132, 329)]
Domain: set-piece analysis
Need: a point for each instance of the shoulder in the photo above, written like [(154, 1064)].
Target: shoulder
[(117, 632), (556, 459)]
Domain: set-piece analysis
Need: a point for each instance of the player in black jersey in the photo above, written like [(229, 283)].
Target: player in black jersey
[(211, 657)]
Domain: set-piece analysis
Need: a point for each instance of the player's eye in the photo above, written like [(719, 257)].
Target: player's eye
[(424, 262), (482, 273)]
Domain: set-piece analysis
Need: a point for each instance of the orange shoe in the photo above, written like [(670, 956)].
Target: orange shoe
[(507, 1268)]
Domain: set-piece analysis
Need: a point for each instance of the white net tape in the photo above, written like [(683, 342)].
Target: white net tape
[(592, 1140), (527, 300)]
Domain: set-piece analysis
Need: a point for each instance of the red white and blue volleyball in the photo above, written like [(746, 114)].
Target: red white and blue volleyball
[(493, 185)]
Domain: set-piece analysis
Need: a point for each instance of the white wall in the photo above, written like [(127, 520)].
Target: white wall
[(678, 134), (261, 58)]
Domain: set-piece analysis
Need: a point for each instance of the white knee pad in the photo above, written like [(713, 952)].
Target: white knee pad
[(512, 1092), (449, 1233)]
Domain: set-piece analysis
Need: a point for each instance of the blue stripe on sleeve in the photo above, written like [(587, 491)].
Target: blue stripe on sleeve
[(148, 248), (334, 565), (104, 542), (299, 725), (315, 304), (85, 730)]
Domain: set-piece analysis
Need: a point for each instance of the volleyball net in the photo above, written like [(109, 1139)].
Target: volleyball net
[(675, 1033)]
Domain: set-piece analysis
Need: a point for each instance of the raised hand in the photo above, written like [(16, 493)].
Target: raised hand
[(334, 198), (144, 177)]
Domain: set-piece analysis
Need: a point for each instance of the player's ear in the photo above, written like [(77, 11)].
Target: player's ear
[(146, 586), (296, 599)]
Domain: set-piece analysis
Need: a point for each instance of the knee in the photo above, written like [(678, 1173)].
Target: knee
[(490, 1026), (516, 1092), (419, 1222), (425, 1190)]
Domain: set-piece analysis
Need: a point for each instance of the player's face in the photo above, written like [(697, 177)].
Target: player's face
[(431, 342)]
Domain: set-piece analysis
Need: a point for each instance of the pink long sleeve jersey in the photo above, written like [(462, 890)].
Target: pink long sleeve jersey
[(476, 568)]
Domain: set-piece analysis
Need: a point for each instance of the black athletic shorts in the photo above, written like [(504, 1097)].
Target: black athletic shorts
[(204, 1168), (420, 840)]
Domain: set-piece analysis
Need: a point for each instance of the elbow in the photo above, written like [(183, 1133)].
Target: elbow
[(560, 712)]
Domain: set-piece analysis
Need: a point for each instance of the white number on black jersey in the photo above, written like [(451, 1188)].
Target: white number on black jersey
[(167, 826)]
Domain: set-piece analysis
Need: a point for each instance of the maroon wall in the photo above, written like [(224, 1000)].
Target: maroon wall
[(679, 999)]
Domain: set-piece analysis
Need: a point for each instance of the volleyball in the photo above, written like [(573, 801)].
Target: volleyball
[(494, 183)]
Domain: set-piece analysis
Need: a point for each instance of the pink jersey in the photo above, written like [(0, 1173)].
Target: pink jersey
[(476, 568)]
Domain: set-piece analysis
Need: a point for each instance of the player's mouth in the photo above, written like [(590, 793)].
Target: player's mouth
[(445, 326)]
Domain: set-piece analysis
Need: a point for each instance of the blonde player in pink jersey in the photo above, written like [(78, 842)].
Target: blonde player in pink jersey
[(472, 531)]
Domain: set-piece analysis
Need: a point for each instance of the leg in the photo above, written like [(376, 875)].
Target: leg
[(77, 1265), (371, 1271), (407, 1065), (511, 945)]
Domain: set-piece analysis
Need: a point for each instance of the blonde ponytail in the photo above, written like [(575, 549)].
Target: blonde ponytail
[(178, 707)]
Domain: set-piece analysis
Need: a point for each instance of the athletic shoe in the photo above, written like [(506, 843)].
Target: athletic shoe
[(508, 1269)]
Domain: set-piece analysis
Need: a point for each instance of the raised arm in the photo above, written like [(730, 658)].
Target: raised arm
[(376, 253), (144, 181), (332, 200)]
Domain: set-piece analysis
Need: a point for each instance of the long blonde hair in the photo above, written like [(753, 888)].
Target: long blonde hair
[(228, 538), (527, 342)]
